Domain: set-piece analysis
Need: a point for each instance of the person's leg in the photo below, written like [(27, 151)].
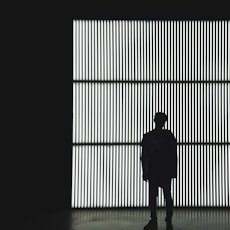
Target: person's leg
[(169, 200), (153, 191)]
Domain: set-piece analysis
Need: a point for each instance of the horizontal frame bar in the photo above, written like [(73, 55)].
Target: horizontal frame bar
[(138, 143), (153, 81)]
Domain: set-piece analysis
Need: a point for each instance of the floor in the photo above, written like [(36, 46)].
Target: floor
[(132, 219)]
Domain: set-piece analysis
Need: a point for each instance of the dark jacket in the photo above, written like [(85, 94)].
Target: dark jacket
[(159, 155)]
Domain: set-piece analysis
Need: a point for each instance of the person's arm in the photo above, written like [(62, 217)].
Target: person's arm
[(144, 160), (173, 147)]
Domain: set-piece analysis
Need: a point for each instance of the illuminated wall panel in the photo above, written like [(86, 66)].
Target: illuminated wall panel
[(124, 72)]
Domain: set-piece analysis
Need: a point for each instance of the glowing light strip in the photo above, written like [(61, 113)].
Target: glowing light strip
[(110, 176)]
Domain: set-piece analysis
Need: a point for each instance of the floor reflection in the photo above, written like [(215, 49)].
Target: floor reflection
[(136, 219)]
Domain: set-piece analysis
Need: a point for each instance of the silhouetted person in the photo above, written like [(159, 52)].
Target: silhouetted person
[(159, 163)]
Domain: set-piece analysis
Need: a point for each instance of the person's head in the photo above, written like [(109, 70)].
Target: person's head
[(160, 119)]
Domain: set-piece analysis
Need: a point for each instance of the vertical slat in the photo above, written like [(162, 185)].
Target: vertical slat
[(224, 113), (227, 101)]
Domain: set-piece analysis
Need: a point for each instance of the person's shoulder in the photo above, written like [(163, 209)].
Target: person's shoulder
[(149, 133), (168, 132), (170, 135)]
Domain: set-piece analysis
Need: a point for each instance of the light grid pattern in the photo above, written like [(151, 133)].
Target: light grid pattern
[(124, 72)]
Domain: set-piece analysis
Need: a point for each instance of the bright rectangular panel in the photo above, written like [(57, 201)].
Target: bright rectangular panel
[(126, 71)]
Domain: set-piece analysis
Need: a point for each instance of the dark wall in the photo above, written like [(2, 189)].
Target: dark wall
[(37, 119)]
